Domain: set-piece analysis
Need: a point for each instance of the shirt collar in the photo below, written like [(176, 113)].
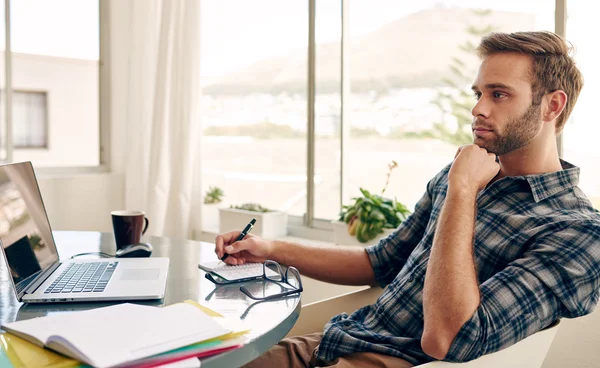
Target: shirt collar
[(546, 185)]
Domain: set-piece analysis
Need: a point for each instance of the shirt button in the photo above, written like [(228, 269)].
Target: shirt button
[(411, 278)]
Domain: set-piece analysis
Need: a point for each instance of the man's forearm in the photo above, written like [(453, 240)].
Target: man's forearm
[(347, 265), (451, 291)]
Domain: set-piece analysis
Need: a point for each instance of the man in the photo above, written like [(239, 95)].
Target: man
[(502, 244)]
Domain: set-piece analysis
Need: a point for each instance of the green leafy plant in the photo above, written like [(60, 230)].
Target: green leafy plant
[(371, 213), (254, 207), (213, 195)]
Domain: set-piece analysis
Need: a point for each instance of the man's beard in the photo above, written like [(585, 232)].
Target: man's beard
[(518, 132)]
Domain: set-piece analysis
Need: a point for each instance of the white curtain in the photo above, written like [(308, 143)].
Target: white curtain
[(162, 100)]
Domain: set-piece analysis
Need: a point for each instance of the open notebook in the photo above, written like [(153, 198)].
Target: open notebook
[(120, 334)]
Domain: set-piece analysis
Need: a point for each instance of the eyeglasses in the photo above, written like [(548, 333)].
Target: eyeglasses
[(287, 279)]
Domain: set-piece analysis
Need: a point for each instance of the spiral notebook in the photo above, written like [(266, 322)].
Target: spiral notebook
[(247, 271)]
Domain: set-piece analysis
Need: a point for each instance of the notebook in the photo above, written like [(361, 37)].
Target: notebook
[(130, 332), (247, 271), (37, 273)]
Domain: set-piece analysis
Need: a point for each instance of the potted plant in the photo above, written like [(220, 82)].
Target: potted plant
[(269, 223), (210, 214), (370, 217), (213, 195)]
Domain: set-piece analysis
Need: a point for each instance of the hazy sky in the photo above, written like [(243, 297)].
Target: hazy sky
[(234, 32), (264, 28), (67, 28)]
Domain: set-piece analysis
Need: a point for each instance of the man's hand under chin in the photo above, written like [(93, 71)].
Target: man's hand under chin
[(473, 168)]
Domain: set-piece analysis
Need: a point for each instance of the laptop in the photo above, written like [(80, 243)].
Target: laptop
[(37, 273)]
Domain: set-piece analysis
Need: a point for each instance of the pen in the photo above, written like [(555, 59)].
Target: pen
[(242, 235)]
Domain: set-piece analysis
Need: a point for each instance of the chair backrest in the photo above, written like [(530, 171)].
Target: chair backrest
[(527, 353), (315, 315)]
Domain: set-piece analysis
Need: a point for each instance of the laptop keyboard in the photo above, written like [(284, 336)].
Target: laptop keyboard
[(83, 278)]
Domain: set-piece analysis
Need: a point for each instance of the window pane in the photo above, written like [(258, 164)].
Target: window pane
[(254, 103), (412, 65), (328, 34), (29, 119), (55, 48), (580, 137)]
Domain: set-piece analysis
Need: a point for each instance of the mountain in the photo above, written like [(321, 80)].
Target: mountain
[(413, 51)]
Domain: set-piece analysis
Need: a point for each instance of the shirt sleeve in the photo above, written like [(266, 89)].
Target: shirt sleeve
[(390, 254), (557, 277)]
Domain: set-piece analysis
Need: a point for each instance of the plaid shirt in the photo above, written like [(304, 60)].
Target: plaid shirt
[(537, 256)]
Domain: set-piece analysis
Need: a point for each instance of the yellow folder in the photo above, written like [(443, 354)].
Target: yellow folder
[(23, 354)]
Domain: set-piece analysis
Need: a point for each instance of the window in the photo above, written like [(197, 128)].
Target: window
[(581, 132), (55, 82), (254, 103), (409, 68), (30, 114)]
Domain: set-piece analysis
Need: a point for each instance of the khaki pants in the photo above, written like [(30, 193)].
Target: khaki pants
[(299, 351)]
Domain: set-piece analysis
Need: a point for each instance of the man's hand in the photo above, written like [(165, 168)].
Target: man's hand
[(473, 169), (251, 249)]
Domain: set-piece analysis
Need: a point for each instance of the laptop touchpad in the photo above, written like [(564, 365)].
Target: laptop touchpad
[(140, 274)]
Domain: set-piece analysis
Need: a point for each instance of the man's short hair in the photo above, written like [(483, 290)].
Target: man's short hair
[(552, 68)]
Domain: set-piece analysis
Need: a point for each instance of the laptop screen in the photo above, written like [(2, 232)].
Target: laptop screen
[(24, 229)]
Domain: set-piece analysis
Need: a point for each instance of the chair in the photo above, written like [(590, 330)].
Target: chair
[(527, 353)]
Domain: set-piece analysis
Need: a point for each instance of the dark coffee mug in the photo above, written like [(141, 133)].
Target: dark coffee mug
[(128, 227)]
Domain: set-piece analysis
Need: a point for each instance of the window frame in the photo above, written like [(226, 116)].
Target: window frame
[(103, 96)]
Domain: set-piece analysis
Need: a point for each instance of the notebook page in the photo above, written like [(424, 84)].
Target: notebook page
[(38, 328), (136, 331)]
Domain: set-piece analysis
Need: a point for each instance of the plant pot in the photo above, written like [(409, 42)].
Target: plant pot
[(210, 217), (341, 236), (268, 225)]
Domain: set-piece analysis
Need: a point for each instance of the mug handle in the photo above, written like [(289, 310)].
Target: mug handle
[(146, 225)]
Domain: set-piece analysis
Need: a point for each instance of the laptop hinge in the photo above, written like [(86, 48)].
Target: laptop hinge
[(41, 278)]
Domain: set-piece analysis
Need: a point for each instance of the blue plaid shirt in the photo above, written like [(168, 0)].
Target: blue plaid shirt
[(537, 256)]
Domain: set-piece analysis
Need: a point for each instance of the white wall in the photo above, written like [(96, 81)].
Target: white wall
[(72, 93), (82, 202)]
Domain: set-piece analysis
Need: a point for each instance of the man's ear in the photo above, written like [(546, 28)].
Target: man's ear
[(555, 104)]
